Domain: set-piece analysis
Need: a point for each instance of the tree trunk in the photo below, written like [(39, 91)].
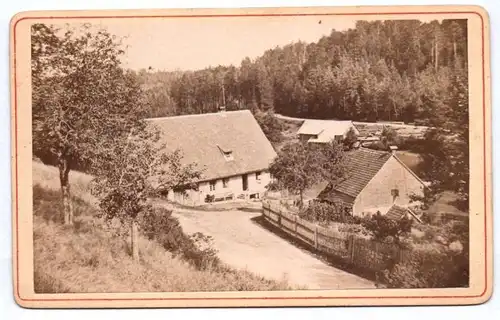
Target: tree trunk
[(134, 240), (65, 190), (436, 59), (454, 51), (301, 204)]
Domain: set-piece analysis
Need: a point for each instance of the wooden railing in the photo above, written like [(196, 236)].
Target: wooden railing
[(362, 253)]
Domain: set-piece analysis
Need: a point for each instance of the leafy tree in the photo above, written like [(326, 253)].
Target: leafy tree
[(445, 151), (270, 125), (351, 138), (380, 70), (81, 97), (382, 227), (389, 137), (137, 169), (300, 165)]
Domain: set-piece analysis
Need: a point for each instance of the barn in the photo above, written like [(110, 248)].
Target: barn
[(230, 149), (324, 131), (375, 181)]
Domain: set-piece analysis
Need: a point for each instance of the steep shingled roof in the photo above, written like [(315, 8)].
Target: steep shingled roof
[(362, 165), (326, 129), (204, 138)]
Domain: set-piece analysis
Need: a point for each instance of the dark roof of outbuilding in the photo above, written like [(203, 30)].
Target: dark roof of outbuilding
[(361, 166), (203, 139), (396, 212)]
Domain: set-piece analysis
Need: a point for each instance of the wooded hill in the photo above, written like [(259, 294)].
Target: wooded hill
[(381, 70)]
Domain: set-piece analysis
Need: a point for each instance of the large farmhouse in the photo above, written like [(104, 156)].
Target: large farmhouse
[(229, 147), (374, 181), (324, 131)]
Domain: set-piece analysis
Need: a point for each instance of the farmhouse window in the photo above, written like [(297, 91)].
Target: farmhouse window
[(257, 176), (395, 193), (225, 181), (212, 185)]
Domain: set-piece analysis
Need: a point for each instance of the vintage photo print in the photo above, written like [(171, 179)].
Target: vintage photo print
[(251, 157)]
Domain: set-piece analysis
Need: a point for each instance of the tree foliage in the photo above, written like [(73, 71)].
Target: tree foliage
[(81, 97), (270, 125), (350, 138), (445, 151), (136, 169), (382, 228), (300, 165), (380, 70)]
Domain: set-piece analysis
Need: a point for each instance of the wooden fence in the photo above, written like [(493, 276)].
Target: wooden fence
[(358, 252)]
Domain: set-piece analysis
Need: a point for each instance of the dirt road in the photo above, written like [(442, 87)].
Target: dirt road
[(244, 244)]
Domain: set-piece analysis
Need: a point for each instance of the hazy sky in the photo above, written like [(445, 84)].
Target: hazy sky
[(195, 43)]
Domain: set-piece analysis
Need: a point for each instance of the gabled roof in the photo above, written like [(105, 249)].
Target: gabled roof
[(326, 130), (397, 213), (362, 165), (203, 139)]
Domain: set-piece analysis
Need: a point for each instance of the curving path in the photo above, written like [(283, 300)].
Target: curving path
[(244, 244)]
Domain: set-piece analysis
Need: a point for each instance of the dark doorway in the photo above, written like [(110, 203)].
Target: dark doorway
[(244, 179)]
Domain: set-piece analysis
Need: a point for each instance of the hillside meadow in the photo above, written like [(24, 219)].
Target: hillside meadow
[(85, 258)]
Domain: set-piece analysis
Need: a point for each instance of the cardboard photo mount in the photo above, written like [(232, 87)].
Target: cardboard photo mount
[(481, 225)]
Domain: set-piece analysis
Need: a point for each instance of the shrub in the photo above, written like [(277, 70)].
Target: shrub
[(384, 229), (378, 145), (411, 143), (327, 212), (197, 249), (429, 270)]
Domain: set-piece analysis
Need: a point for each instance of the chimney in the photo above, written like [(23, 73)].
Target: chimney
[(393, 149)]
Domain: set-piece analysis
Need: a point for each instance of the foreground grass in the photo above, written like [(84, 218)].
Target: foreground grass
[(86, 258)]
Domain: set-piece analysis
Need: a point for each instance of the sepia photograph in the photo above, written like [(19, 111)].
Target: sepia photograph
[(252, 153)]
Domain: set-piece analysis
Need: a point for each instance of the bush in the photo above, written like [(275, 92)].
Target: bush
[(271, 125), (327, 212), (197, 249), (429, 270), (378, 145), (384, 229), (411, 143)]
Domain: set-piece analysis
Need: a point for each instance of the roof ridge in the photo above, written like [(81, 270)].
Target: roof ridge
[(198, 115)]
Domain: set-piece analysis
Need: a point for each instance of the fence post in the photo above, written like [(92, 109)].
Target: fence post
[(295, 224), (279, 216), (316, 237), (351, 248)]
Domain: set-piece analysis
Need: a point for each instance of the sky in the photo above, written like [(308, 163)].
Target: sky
[(196, 43)]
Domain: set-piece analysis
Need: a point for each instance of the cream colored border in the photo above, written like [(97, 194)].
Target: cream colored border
[(480, 151)]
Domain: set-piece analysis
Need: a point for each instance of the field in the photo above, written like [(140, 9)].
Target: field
[(86, 258)]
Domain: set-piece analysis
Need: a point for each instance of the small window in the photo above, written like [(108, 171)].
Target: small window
[(225, 182), (395, 193), (257, 176), (212, 185)]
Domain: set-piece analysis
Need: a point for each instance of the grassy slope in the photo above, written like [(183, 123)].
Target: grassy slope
[(85, 258)]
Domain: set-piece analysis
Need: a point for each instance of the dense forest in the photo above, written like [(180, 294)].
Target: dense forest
[(380, 70)]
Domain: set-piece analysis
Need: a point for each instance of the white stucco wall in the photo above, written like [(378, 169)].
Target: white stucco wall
[(376, 196), (234, 185)]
